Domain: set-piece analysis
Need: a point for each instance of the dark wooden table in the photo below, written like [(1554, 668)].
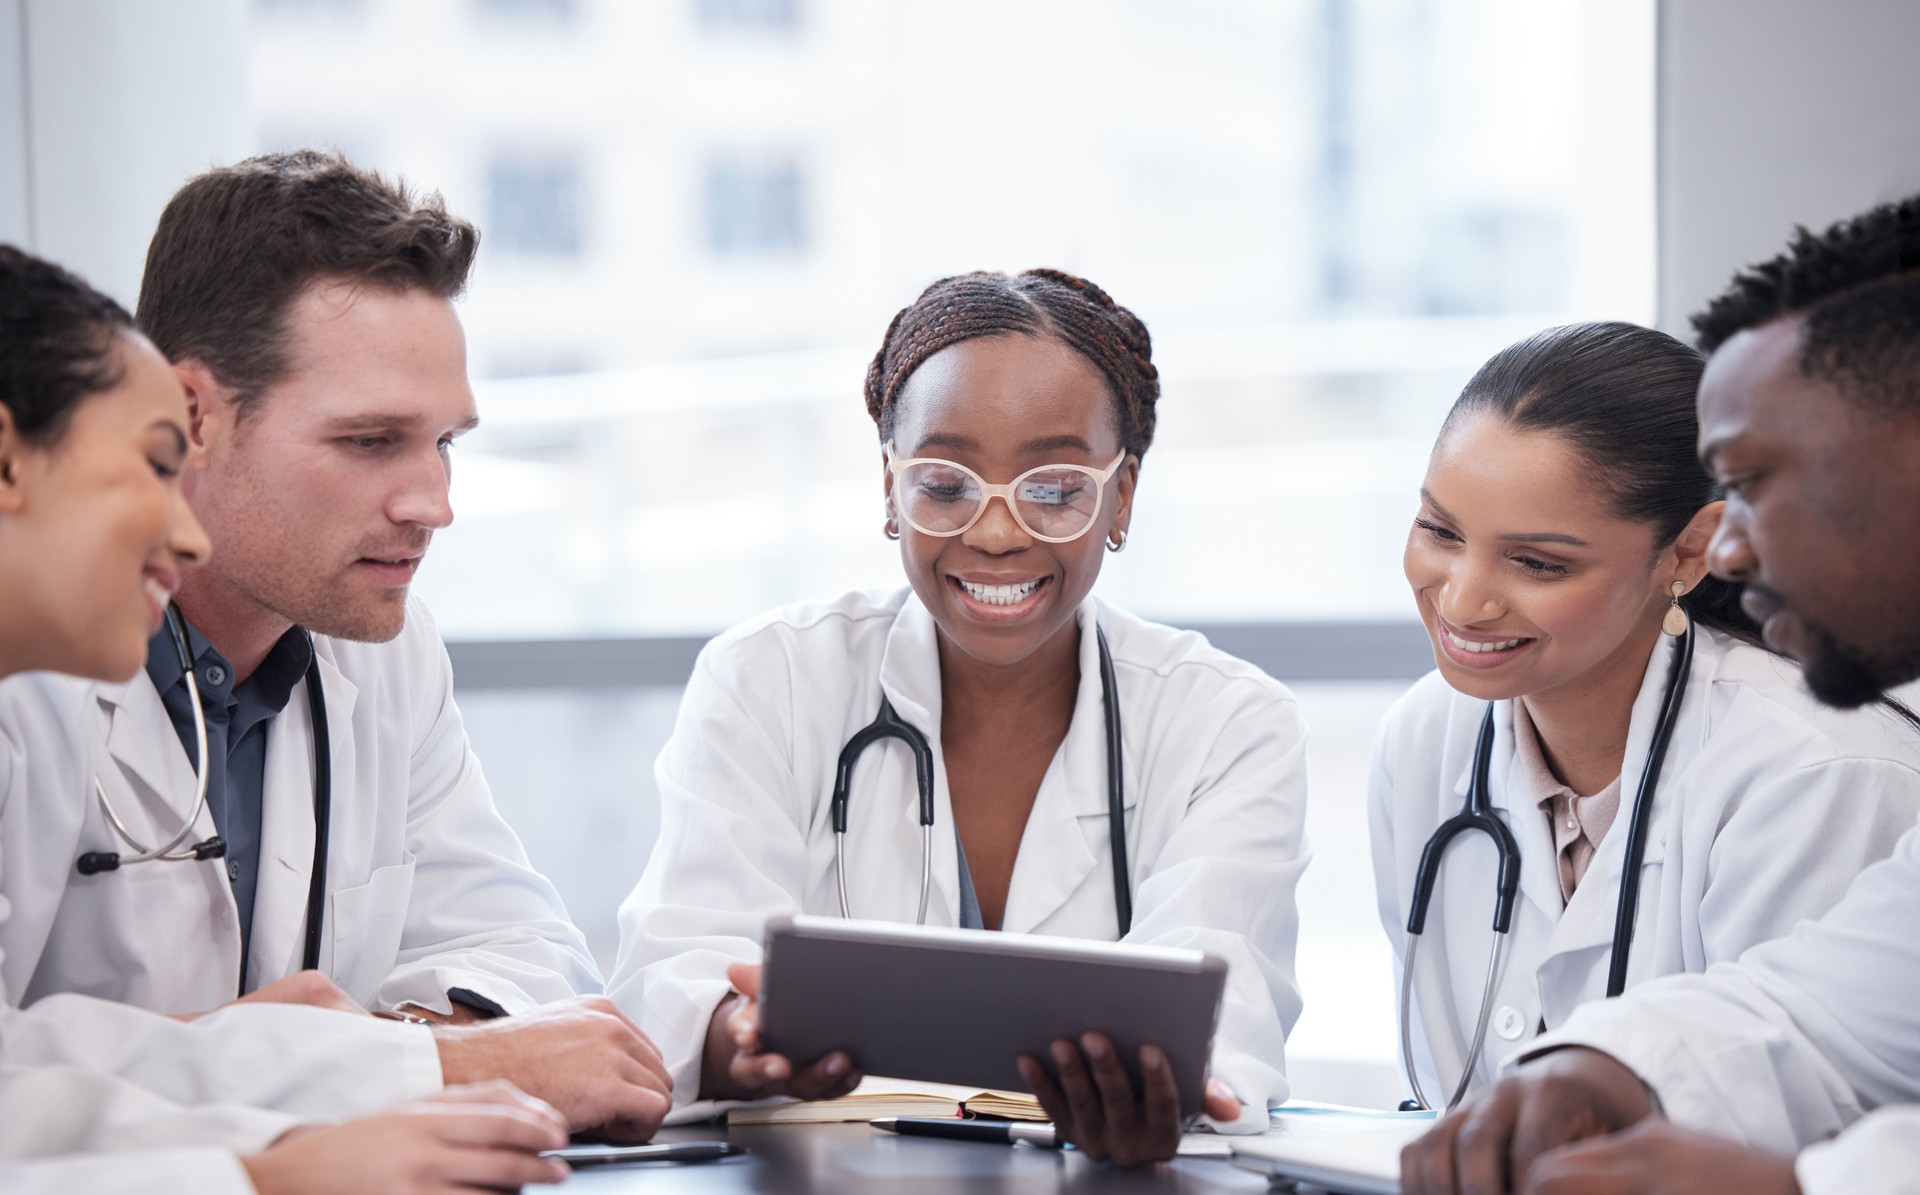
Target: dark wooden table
[(852, 1159)]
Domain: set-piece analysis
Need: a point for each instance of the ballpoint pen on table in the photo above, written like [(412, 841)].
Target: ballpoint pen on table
[(627, 1155)]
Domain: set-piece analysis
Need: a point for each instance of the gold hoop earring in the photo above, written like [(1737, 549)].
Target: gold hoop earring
[(1676, 621), (1116, 540)]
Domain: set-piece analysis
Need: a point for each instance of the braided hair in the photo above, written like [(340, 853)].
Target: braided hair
[(1040, 303)]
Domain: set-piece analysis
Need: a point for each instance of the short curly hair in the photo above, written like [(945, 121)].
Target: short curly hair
[(1044, 303), (1857, 286), (57, 338)]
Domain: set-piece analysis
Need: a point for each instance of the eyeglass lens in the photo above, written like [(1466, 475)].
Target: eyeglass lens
[(940, 498)]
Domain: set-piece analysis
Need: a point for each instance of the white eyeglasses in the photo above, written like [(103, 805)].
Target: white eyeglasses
[(1054, 503)]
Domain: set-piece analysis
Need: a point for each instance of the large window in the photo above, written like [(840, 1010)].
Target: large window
[(705, 212), (1328, 213)]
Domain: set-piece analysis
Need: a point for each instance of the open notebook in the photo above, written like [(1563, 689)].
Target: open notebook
[(895, 1097)]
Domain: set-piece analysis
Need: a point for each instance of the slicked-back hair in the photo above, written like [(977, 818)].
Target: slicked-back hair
[(1858, 286), (57, 339), (239, 244), (1622, 397), (1048, 304)]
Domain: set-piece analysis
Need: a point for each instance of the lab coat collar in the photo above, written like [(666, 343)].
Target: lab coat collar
[(910, 667), (287, 821)]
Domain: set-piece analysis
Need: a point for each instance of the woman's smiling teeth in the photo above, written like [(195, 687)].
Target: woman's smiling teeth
[(158, 593), (1470, 645), (1000, 595)]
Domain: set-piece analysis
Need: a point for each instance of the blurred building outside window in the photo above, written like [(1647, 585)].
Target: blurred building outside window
[(755, 205), (534, 205), (776, 17)]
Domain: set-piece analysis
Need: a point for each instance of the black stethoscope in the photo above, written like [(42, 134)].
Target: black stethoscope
[(889, 725), (95, 862), (1478, 815)]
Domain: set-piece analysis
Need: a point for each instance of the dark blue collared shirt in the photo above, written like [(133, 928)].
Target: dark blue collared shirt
[(238, 718)]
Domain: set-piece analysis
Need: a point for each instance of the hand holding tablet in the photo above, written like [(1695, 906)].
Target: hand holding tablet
[(1095, 1108), (735, 1067), (1114, 1039)]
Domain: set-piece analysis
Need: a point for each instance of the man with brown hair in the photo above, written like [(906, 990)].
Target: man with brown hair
[(349, 854)]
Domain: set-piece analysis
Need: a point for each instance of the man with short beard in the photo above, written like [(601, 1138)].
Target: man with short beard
[(359, 861), (1810, 418)]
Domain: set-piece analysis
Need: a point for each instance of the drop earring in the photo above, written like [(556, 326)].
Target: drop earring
[(1675, 623)]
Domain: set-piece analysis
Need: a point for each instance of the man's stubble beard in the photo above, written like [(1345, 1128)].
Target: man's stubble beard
[(328, 606), (1847, 678)]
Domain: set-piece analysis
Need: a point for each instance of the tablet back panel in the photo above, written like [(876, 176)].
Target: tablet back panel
[(958, 1006)]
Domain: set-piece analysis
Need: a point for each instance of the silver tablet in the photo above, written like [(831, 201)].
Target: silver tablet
[(959, 1005), (1362, 1162)]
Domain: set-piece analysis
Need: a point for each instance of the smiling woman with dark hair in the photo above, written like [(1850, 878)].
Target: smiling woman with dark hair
[(1013, 414), (1629, 721)]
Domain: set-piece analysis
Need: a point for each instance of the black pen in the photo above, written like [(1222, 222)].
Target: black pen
[(1000, 1132), (578, 1156)]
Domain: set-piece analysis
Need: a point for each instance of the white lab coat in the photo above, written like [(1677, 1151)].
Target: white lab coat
[(1767, 808), (1797, 1040), (130, 1140), (204, 1171), (1215, 793), (428, 890)]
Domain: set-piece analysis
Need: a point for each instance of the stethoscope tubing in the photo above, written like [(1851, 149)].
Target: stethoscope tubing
[(888, 724), (99, 861), (142, 852), (1494, 957), (1116, 790), (322, 812), (1478, 815), (1637, 827)]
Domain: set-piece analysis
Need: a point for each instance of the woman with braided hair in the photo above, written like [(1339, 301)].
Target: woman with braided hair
[(1013, 413)]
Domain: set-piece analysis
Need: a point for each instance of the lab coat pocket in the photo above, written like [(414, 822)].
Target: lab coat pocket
[(368, 922)]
